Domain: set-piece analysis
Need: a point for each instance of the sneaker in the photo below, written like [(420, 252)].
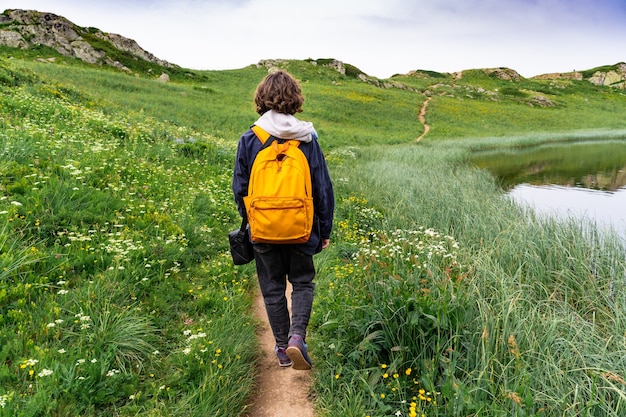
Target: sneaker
[(281, 354), (298, 354)]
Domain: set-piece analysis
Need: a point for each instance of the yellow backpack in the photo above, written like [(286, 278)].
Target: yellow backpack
[(279, 204)]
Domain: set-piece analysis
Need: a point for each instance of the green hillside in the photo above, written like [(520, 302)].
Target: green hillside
[(437, 297)]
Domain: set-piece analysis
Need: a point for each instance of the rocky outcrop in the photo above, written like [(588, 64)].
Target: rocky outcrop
[(337, 66), (272, 65), (575, 75), (12, 39), (615, 77), (540, 101), (611, 76), (132, 47), (25, 28), (506, 74)]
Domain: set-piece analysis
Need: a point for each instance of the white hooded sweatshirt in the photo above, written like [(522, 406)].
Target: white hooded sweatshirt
[(286, 126)]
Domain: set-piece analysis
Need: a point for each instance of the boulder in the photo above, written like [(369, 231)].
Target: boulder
[(506, 74), (83, 51), (12, 39), (613, 78), (337, 66)]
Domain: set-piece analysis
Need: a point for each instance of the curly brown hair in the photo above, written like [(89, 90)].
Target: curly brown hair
[(280, 92)]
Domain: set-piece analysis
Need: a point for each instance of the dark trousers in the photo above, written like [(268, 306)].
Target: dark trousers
[(275, 264)]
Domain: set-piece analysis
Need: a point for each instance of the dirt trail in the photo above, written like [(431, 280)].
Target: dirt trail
[(280, 391), (422, 119)]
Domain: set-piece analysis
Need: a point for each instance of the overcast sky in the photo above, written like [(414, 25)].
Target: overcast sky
[(381, 37)]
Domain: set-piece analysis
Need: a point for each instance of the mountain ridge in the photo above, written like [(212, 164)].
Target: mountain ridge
[(26, 29)]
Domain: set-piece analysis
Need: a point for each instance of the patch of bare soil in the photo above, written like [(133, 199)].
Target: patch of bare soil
[(280, 391)]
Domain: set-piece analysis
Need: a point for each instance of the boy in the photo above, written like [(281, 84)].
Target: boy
[(278, 97)]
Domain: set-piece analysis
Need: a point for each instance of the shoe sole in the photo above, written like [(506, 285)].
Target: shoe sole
[(297, 358), (285, 365)]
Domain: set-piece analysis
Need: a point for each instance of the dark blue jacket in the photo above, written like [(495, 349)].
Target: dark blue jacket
[(323, 196)]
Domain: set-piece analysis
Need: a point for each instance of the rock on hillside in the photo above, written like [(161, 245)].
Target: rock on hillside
[(26, 28), (612, 76), (574, 75), (502, 73)]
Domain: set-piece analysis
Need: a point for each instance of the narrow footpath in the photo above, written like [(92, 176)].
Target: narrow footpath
[(280, 391), (422, 118)]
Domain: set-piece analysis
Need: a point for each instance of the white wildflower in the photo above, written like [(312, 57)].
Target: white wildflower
[(196, 336)]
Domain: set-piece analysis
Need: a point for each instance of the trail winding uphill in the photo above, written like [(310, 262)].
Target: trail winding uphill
[(422, 118)]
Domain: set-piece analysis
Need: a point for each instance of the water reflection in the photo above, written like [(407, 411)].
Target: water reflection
[(605, 208), (592, 165), (584, 180)]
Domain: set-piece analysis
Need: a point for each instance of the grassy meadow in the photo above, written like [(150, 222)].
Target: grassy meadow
[(437, 297)]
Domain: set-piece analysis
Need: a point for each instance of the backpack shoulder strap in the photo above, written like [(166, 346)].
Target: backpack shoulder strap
[(260, 133), (263, 136)]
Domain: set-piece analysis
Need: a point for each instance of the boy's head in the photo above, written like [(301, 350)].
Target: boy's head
[(280, 92)]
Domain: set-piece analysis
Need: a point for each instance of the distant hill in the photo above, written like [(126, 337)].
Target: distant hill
[(30, 29), (609, 75)]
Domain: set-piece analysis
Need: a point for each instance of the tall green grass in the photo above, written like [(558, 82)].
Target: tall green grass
[(500, 312)]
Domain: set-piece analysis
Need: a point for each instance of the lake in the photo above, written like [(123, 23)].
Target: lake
[(580, 180)]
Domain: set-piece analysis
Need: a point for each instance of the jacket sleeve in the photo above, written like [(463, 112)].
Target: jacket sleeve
[(241, 176), (323, 194)]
